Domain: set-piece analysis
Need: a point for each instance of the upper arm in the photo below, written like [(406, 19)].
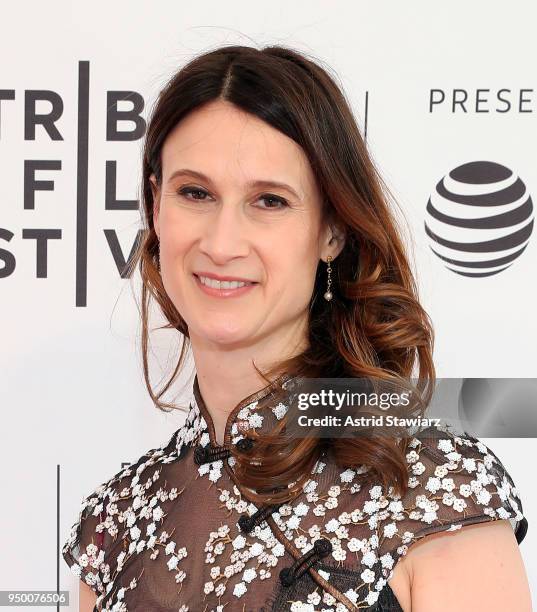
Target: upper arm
[(86, 598), (478, 567)]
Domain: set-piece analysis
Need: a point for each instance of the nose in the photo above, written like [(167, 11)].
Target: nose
[(224, 234)]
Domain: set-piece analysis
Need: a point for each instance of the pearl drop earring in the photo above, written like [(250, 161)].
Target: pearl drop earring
[(328, 294)]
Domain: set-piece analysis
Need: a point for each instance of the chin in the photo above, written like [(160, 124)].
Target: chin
[(225, 334), (229, 341)]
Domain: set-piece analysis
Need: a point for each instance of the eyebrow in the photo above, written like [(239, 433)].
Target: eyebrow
[(263, 184)]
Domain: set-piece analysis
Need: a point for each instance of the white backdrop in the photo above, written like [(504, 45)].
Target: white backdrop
[(72, 393)]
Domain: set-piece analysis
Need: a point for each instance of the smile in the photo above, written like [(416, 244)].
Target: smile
[(216, 288)]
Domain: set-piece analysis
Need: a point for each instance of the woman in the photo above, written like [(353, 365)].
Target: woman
[(270, 246)]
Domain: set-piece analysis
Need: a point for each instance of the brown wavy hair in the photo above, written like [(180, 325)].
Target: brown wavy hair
[(374, 327)]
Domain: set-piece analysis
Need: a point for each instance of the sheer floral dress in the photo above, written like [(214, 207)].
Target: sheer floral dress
[(175, 530)]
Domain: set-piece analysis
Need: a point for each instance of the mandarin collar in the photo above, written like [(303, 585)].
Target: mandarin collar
[(200, 421)]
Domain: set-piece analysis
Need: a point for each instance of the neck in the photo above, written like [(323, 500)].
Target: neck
[(227, 376), (252, 403), (220, 402)]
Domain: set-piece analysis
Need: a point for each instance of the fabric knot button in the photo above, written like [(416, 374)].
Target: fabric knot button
[(287, 576), (245, 444), (322, 547), (200, 455), (246, 523), (204, 454)]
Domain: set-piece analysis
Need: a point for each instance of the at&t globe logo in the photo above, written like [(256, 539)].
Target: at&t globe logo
[(479, 219)]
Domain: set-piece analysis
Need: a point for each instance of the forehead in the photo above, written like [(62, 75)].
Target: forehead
[(227, 143)]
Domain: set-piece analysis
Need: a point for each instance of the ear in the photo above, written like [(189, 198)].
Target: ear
[(156, 203), (333, 241)]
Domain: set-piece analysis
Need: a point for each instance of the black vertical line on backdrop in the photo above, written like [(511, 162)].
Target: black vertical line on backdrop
[(58, 536), (365, 120), (82, 185)]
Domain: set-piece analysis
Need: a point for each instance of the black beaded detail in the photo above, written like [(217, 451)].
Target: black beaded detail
[(247, 523), (206, 454), (321, 548)]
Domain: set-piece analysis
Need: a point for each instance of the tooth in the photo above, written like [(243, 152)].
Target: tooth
[(210, 282)]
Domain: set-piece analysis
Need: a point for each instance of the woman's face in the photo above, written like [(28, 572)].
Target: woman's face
[(213, 215)]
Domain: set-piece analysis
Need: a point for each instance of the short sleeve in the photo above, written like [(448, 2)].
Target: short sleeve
[(96, 550), (454, 480)]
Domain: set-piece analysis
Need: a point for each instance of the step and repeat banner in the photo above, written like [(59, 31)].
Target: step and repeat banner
[(446, 98)]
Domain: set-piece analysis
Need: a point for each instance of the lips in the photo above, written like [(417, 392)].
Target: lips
[(216, 277), (223, 284), (221, 291)]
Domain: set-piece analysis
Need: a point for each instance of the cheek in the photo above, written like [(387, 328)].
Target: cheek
[(174, 240), (173, 255), (292, 273)]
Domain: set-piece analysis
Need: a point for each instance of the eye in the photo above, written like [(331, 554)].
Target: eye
[(190, 190), (273, 198), (187, 192)]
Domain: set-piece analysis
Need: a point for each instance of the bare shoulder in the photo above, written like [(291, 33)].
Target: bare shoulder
[(476, 567)]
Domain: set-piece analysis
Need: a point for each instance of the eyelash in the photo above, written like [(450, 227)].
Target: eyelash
[(265, 196)]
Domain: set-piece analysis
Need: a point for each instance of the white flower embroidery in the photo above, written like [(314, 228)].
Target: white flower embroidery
[(369, 528), (280, 411)]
